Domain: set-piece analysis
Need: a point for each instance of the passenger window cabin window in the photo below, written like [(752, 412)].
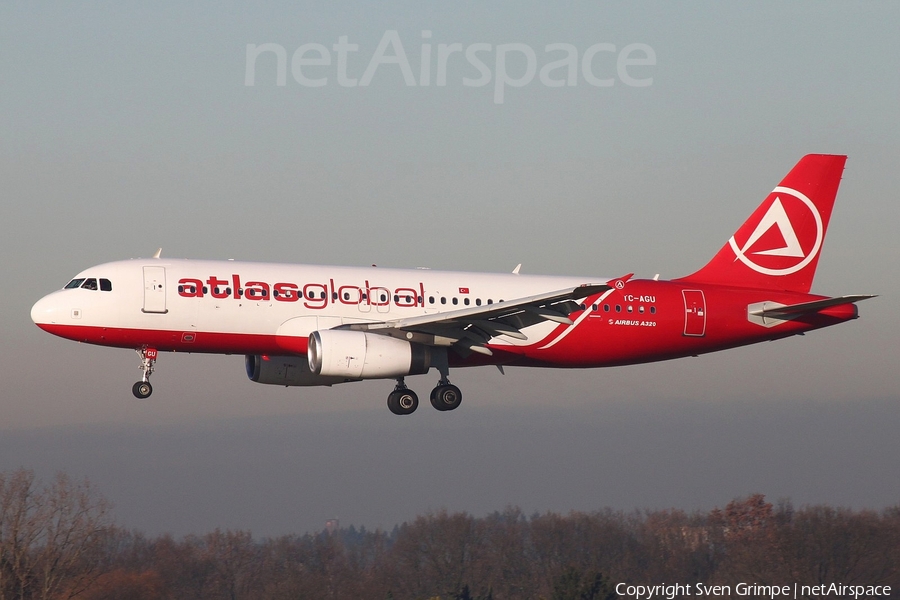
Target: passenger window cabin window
[(75, 283), (89, 284), (430, 299), (455, 301), (477, 301), (105, 285), (466, 301), (652, 310), (443, 300), (606, 308)]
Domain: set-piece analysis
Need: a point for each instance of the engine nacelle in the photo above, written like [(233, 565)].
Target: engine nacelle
[(286, 370), (362, 355)]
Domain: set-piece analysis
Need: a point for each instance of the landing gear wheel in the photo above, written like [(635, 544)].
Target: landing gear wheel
[(142, 389), (403, 402), (446, 396)]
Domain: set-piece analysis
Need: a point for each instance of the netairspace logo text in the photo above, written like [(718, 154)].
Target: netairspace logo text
[(513, 65)]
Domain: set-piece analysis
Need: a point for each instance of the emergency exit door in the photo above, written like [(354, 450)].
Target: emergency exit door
[(694, 313), (155, 290)]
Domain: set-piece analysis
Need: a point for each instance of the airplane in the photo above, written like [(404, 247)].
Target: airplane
[(305, 325)]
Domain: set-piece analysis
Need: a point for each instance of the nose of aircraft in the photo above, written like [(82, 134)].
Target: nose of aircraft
[(45, 311)]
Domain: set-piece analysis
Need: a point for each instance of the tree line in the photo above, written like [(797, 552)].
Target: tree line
[(59, 541)]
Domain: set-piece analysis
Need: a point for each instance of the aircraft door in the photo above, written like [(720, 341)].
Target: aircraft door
[(365, 302), (694, 313), (381, 298), (155, 290)]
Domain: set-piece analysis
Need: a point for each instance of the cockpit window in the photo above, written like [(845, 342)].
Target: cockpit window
[(75, 283), (105, 285), (89, 284)]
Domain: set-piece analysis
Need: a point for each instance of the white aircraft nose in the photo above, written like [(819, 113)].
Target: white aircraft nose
[(45, 310)]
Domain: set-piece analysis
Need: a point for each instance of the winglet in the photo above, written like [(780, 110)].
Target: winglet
[(619, 282)]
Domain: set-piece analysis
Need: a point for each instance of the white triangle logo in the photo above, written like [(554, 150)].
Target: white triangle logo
[(776, 217)]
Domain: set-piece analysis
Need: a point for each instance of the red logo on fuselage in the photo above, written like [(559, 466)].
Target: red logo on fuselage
[(313, 295)]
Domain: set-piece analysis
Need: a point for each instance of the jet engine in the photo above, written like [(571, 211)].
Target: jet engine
[(363, 355), (286, 370)]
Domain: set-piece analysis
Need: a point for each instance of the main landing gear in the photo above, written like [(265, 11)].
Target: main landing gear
[(142, 389), (445, 396), (404, 401)]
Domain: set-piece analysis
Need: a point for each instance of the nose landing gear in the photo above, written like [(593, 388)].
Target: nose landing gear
[(142, 389)]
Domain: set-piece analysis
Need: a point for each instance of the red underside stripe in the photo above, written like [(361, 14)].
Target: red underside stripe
[(180, 341), (225, 343)]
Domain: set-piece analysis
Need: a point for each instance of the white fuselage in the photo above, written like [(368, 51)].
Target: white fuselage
[(204, 306)]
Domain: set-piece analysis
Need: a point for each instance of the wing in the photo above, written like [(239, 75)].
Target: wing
[(469, 329)]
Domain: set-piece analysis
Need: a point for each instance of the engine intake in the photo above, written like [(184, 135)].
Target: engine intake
[(363, 355)]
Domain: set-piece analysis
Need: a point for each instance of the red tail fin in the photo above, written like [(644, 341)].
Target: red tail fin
[(778, 246)]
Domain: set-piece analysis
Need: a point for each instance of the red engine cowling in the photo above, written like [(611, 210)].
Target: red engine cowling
[(286, 370), (362, 355)]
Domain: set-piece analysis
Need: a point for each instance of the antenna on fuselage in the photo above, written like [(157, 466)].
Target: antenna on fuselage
[(516, 270), (158, 252)]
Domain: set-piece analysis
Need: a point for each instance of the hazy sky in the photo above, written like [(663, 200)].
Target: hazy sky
[(125, 127)]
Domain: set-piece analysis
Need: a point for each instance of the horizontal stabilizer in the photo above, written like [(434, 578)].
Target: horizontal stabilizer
[(796, 310)]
